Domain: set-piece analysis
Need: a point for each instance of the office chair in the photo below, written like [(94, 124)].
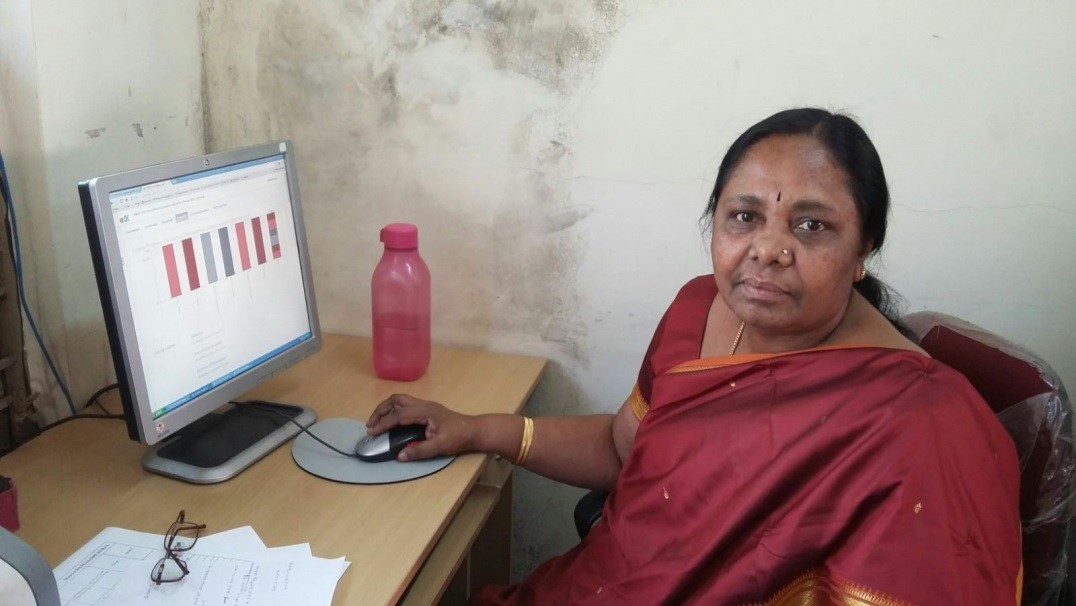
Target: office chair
[(1031, 403), (25, 577)]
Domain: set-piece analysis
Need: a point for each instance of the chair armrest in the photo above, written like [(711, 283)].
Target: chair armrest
[(589, 510)]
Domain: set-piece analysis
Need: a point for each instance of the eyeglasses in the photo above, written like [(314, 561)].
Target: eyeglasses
[(182, 535)]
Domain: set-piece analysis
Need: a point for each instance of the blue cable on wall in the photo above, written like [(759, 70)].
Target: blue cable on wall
[(10, 202)]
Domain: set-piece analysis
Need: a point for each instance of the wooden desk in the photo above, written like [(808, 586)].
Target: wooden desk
[(85, 475)]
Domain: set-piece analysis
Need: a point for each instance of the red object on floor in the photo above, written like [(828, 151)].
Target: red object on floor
[(9, 505)]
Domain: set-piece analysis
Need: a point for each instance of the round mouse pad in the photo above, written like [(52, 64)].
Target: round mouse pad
[(344, 433)]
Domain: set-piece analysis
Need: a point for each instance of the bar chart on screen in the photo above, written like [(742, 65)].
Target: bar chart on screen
[(204, 258)]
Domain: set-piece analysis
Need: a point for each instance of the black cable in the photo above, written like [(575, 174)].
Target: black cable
[(259, 406), (92, 400), (77, 417), (97, 394)]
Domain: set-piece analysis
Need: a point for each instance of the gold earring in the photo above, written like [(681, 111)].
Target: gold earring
[(863, 274)]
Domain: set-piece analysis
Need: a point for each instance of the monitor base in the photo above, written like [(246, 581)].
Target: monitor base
[(220, 445)]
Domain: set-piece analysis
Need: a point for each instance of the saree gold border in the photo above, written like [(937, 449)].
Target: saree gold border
[(818, 589), (723, 361), (684, 369), (638, 403)]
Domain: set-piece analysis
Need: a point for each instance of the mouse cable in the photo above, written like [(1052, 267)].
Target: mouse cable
[(299, 425)]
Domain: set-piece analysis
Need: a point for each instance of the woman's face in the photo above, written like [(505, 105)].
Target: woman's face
[(787, 194)]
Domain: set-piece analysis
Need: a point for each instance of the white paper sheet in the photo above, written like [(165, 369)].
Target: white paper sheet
[(243, 538), (231, 568), (240, 581)]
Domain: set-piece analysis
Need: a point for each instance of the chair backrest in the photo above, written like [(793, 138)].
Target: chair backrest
[(1031, 403)]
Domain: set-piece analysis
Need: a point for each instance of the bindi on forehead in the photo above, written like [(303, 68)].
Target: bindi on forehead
[(778, 195)]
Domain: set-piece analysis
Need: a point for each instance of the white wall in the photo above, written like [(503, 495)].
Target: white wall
[(89, 88), (21, 143), (556, 155)]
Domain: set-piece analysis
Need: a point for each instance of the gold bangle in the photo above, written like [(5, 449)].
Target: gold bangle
[(525, 444)]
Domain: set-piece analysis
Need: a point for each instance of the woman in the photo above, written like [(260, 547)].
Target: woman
[(785, 443)]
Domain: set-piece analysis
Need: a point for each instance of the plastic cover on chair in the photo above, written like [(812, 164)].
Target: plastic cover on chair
[(1031, 403)]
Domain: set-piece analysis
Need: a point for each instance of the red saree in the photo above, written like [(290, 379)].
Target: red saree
[(853, 475)]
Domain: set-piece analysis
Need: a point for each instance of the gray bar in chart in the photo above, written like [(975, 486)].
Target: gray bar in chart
[(226, 251), (210, 262)]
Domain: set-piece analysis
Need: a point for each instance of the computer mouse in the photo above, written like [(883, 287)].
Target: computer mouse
[(386, 445)]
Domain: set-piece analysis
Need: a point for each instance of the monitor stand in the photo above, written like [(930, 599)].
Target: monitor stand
[(221, 444)]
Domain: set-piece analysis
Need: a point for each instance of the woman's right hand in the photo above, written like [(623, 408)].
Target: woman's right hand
[(447, 432)]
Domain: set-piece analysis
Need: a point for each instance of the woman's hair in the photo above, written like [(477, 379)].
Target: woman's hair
[(852, 149)]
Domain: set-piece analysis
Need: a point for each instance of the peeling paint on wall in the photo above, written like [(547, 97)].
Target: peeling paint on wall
[(450, 114), (456, 115)]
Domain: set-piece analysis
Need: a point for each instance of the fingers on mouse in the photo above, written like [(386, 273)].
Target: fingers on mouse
[(387, 445)]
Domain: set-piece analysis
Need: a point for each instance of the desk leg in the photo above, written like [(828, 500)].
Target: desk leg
[(475, 549), (490, 559)]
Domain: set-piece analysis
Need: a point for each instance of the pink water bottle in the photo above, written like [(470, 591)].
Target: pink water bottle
[(401, 306)]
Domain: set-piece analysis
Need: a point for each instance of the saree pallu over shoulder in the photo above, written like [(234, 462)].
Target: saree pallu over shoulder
[(840, 475), (875, 465), (832, 476)]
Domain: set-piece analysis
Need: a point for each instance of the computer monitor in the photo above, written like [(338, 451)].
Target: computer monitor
[(205, 285)]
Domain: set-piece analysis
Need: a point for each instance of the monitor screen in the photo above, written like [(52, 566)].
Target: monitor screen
[(204, 279)]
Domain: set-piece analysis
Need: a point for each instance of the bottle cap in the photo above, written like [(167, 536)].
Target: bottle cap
[(400, 236)]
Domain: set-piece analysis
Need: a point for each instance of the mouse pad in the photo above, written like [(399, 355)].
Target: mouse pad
[(344, 433)]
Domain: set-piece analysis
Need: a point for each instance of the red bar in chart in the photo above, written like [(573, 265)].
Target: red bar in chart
[(259, 243), (170, 267), (241, 239), (188, 258), (274, 238)]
